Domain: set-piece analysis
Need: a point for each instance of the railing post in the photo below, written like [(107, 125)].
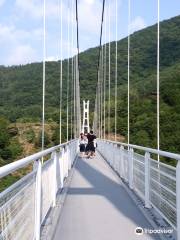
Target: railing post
[(111, 155), (178, 198), (147, 180), (38, 166), (69, 156), (61, 161), (103, 148), (114, 156), (121, 162), (54, 186), (130, 161), (66, 162)]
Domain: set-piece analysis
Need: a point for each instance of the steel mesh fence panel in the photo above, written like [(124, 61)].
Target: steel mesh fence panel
[(47, 195), (163, 190), (17, 210), (125, 164), (139, 174), (160, 180)]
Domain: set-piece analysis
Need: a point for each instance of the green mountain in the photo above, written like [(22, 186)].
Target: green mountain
[(21, 86)]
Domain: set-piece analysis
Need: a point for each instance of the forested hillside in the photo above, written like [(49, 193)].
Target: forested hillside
[(21, 87)]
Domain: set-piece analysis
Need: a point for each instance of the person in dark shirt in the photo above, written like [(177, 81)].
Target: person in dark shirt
[(90, 148)]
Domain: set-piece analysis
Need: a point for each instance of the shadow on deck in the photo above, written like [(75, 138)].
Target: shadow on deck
[(98, 207)]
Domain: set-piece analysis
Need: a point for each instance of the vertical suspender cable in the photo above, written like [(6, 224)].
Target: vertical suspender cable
[(158, 42), (44, 73), (99, 66), (99, 58), (72, 62), (105, 32), (95, 115), (109, 101), (102, 73), (76, 107), (77, 75), (116, 78), (99, 106), (61, 49), (129, 19), (76, 70), (67, 100), (99, 94), (75, 97), (78, 102), (101, 77)]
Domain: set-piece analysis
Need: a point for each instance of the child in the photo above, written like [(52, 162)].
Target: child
[(82, 144)]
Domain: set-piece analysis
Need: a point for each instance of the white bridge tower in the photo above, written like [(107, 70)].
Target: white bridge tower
[(85, 126)]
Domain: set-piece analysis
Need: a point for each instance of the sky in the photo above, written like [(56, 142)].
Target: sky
[(21, 25)]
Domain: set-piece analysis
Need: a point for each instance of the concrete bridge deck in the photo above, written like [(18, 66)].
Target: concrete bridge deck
[(97, 206)]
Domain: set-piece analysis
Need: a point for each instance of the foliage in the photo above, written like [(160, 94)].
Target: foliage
[(15, 148), (26, 84), (30, 136), (7, 181), (9, 146), (46, 139), (56, 138)]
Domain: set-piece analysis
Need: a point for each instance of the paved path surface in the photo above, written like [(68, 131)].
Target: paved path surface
[(98, 207)]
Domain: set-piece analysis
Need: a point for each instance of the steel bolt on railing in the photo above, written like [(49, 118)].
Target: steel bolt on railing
[(156, 183), (25, 204)]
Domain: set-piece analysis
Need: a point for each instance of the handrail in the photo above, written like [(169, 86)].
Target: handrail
[(11, 167), (145, 149)]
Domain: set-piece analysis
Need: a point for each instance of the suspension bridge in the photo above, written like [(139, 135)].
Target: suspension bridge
[(124, 192)]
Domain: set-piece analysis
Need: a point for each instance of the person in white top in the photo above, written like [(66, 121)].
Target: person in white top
[(82, 144)]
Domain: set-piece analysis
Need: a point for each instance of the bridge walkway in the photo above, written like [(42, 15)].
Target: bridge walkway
[(97, 206)]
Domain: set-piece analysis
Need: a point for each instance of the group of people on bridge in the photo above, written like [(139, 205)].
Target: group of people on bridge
[(87, 144)]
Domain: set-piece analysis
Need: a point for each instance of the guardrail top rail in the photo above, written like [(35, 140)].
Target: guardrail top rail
[(11, 167), (146, 149)]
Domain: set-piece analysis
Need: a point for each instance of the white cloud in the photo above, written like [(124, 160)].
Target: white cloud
[(90, 13), (21, 54), (2, 2), (51, 58), (137, 24), (9, 34), (34, 8), (89, 16), (89, 1), (30, 7), (20, 37), (17, 45)]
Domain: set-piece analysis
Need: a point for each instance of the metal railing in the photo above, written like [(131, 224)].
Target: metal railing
[(156, 183), (25, 204)]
